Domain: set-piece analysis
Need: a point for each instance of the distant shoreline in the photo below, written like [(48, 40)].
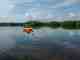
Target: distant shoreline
[(54, 24), (11, 24), (70, 25)]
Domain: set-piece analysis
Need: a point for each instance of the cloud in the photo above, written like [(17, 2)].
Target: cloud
[(44, 9), (71, 14), (72, 1), (71, 9), (7, 19), (66, 3)]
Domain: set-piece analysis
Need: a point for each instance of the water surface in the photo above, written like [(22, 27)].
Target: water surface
[(54, 39)]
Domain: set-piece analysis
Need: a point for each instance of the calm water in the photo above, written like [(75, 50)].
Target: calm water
[(7, 37), (10, 37), (46, 37)]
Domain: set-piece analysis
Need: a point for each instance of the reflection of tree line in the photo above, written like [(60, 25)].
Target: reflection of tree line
[(23, 58), (54, 24)]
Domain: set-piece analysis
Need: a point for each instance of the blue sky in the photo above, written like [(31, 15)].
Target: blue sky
[(40, 9), (4, 10)]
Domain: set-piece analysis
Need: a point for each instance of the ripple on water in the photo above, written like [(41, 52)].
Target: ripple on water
[(53, 35)]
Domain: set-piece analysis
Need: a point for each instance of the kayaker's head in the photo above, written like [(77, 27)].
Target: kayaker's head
[(28, 26)]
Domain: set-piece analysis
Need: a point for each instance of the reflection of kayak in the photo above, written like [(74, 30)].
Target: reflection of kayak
[(27, 29)]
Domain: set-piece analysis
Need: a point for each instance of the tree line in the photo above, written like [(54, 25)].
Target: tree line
[(54, 24), (11, 24)]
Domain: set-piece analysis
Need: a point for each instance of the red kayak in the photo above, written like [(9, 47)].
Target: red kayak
[(27, 29)]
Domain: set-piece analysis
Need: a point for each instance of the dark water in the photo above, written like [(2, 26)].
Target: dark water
[(53, 39), (10, 36), (66, 38), (7, 37)]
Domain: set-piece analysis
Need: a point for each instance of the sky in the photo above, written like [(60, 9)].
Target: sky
[(25, 10)]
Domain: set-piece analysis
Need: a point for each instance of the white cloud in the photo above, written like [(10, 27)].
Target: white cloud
[(65, 3), (72, 1), (11, 6), (61, 5), (27, 1), (42, 10), (7, 19), (72, 16), (36, 12)]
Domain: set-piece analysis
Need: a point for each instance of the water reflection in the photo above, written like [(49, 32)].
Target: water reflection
[(7, 37), (12, 36), (49, 36), (54, 39)]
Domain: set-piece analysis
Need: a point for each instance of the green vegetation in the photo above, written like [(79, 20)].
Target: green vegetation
[(69, 25), (23, 58), (37, 24), (54, 24)]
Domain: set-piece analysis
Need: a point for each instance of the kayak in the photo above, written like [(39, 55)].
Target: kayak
[(27, 29)]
